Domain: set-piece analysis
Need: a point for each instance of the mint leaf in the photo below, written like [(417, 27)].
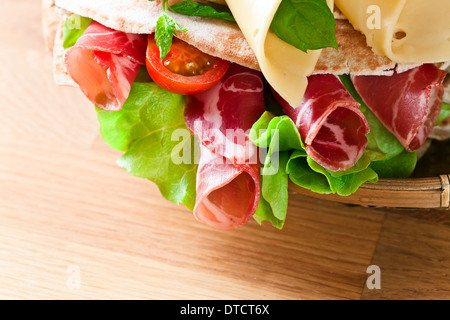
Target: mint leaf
[(305, 24), (206, 10), (165, 29), (445, 112), (74, 27), (145, 129)]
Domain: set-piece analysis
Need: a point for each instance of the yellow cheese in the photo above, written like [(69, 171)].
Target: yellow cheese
[(285, 67), (406, 31)]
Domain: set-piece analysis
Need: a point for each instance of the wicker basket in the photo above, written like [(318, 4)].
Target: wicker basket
[(429, 187)]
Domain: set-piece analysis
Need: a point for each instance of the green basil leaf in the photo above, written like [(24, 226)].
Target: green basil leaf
[(199, 9), (305, 24)]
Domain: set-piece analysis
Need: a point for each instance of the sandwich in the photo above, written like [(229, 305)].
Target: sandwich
[(222, 104)]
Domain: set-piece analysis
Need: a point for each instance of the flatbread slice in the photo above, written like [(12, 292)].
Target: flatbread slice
[(139, 16)]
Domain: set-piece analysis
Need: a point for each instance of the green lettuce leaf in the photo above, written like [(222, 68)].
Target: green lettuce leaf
[(346, 183), (287, 159), (307, 173), (199, 9), (384, 157), (150, 129), (274, 186), (400, 166), (305, 24), (270, 132), (264, 130), (445, 112), (74, 26), (265, 213), (302, 175), (282, 135)]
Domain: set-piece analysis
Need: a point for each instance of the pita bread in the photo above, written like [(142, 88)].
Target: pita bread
[(354, 56), (338, 14), (50, 23), (60, 73), (140, 16)]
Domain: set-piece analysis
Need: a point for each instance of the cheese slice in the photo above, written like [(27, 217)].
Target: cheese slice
[(285, 67), (406, 31)]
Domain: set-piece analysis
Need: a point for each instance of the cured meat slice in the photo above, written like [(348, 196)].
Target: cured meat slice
[(331, 125), (408, 103), (222, 115), (104, 63), (227, 194), (228, 177)]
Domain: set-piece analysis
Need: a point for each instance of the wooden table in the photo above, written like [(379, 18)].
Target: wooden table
[(73, 225)]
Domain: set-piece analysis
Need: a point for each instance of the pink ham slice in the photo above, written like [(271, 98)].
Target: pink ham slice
[(228, 185), (330, 123), (104, 63), (408, 103)]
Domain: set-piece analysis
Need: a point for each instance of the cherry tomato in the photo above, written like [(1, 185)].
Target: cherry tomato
[(185, 70)]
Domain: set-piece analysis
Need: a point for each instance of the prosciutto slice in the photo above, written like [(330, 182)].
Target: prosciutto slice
[(104, 63), (227, 194), (331, 125), (228, 185), (222, 115), (408, 103)]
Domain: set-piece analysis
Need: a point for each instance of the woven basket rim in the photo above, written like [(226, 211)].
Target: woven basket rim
[(420, 193)]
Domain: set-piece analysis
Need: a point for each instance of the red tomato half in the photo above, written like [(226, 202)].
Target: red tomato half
[(185, 70)]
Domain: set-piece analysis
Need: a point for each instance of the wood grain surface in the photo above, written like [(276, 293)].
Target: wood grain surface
[(73, 225)]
